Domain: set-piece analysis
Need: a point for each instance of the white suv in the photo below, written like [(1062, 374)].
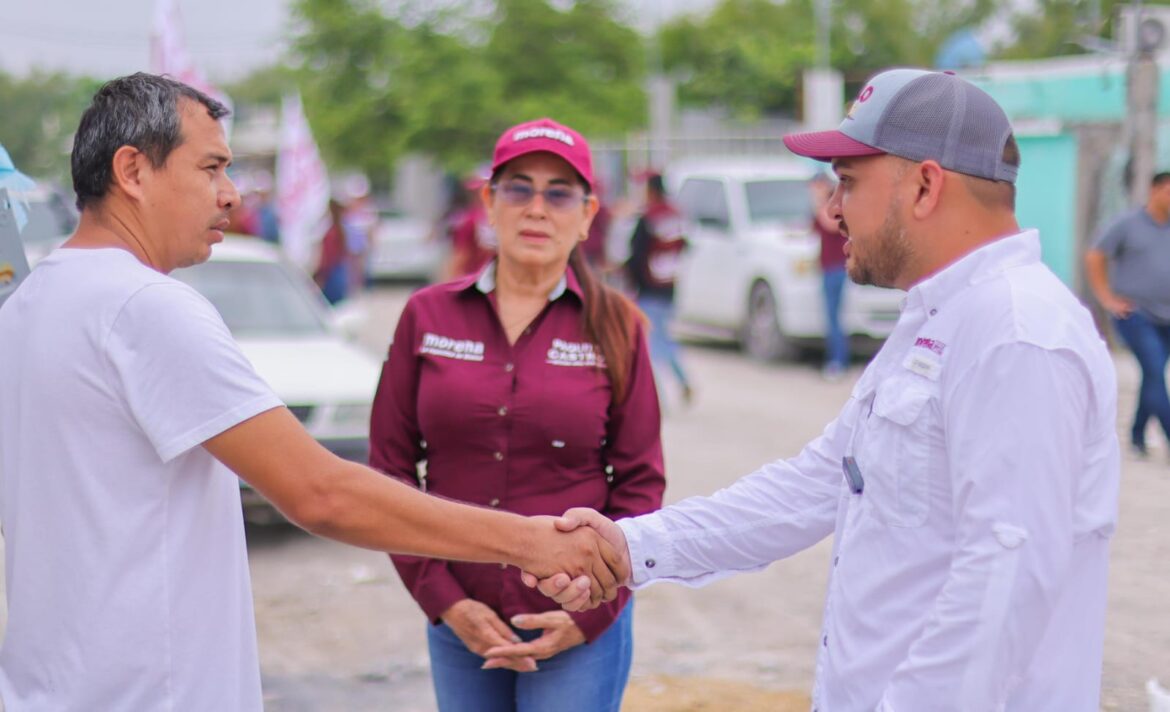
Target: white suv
[(752, 269)]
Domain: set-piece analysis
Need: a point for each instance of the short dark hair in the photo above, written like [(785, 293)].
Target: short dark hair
[(139, 110), (656, 185), (1159, 178)]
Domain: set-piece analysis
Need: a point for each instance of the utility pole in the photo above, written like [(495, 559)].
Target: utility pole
[(824, 88), (1142, 103), (660, 92)]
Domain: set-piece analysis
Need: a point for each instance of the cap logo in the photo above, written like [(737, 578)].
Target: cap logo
[(543, 132), (866, 93)]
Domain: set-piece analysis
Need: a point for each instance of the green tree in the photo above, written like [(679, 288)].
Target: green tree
[(41, 112), (1052, 28), (265, 86), (580, 66), (748, 55), (446, 80)]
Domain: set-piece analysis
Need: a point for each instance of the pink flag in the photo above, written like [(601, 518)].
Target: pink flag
[(302, 185), (168, 55)]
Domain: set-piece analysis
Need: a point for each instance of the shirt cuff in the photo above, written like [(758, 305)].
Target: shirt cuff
[(438, 593), (645, 539)]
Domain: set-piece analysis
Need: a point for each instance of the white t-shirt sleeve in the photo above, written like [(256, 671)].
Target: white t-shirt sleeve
[(179, 370)]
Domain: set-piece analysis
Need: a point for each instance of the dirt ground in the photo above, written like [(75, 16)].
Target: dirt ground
[(662, 693)]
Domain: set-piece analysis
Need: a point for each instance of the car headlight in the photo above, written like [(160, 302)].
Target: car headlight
[(352, 414), (805, 266)]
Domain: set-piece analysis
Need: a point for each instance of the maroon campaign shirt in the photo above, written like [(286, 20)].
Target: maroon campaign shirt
[(530, 428), (832, 246)]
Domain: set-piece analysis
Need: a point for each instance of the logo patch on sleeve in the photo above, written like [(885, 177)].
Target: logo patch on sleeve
[(930, 344)]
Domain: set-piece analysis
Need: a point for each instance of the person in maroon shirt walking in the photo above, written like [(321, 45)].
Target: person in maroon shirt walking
[(525, 387), (833, 274), (332, 273)]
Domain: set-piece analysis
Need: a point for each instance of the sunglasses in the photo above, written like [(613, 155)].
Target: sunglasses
[(519, 193)]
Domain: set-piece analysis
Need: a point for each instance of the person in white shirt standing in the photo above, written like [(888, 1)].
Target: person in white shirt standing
[(126, 572), (971, 480)]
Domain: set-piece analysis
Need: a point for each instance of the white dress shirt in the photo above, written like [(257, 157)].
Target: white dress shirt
[(969, 573)]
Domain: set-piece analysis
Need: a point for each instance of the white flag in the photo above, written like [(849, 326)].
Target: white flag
[(302, 185), (168, 55)]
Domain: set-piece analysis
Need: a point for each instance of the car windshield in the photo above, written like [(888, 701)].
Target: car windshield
[(256, 298), (48, 220), (780, 200)]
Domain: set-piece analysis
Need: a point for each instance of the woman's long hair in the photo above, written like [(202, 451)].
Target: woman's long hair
[(609, 320)]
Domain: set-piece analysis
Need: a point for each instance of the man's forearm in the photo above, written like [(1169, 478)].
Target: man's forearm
[(366, 509), (354, 504)]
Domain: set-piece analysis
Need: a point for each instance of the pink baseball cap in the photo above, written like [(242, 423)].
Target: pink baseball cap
[(548, 136), (919, 114)]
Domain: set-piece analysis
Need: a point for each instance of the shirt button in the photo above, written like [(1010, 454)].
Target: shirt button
[(933, 312), (650, 563), (825, 641), (609, 478), (495, 502), (509, 367), (503, 410), (836, 559), (498, 455)]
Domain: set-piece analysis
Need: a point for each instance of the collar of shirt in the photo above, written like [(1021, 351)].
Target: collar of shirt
[(485, 283), (979, 265)]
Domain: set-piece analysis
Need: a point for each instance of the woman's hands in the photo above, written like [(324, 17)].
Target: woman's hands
[(487, 635), (560, 634)]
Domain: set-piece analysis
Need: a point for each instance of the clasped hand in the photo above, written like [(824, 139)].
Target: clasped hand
[(580, 591)]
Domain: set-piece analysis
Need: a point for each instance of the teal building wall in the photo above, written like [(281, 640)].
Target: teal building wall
[(1046, 198)]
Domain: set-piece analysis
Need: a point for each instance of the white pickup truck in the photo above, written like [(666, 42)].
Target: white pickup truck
[(752, 268)]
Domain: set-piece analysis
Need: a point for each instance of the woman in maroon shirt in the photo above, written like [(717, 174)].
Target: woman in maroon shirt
[(527, 387)]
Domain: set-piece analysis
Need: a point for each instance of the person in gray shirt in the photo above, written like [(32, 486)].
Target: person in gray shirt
[(1128, 269)]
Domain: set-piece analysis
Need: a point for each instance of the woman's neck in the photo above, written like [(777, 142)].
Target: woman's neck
[(523, 283)]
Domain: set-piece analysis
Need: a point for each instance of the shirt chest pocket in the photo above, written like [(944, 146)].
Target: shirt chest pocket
[(896, 454)]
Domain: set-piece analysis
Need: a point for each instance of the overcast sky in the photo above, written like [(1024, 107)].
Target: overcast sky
[(227, 38)]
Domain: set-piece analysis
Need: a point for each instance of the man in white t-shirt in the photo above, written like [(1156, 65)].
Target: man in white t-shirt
[(127, 577)]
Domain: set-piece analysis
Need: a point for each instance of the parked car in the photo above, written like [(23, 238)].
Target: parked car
[(402, 247), (752, 271), (295, 342)]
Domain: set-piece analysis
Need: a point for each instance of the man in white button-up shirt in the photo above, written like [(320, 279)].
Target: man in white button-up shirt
[(971, 480)]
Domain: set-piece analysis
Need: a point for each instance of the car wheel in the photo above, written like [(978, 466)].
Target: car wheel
[(762, 338)]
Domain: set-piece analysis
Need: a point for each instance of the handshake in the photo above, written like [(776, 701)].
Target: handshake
[(597, 562)]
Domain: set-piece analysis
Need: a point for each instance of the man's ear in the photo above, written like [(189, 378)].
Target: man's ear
[(928, 178), (128, 170)]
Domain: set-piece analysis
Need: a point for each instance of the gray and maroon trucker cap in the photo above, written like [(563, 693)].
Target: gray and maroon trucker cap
[(919, 115)]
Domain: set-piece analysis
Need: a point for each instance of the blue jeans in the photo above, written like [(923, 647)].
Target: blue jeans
[(663, 348), (590, 677), (1150, 343), (336, 284), (836, 341)]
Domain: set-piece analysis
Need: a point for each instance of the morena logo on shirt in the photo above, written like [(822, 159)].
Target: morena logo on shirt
[(570, 353), (446, 347), (931, 344)]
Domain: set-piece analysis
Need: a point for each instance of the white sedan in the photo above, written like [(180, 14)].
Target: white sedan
[(295, 342), (751, 270)]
